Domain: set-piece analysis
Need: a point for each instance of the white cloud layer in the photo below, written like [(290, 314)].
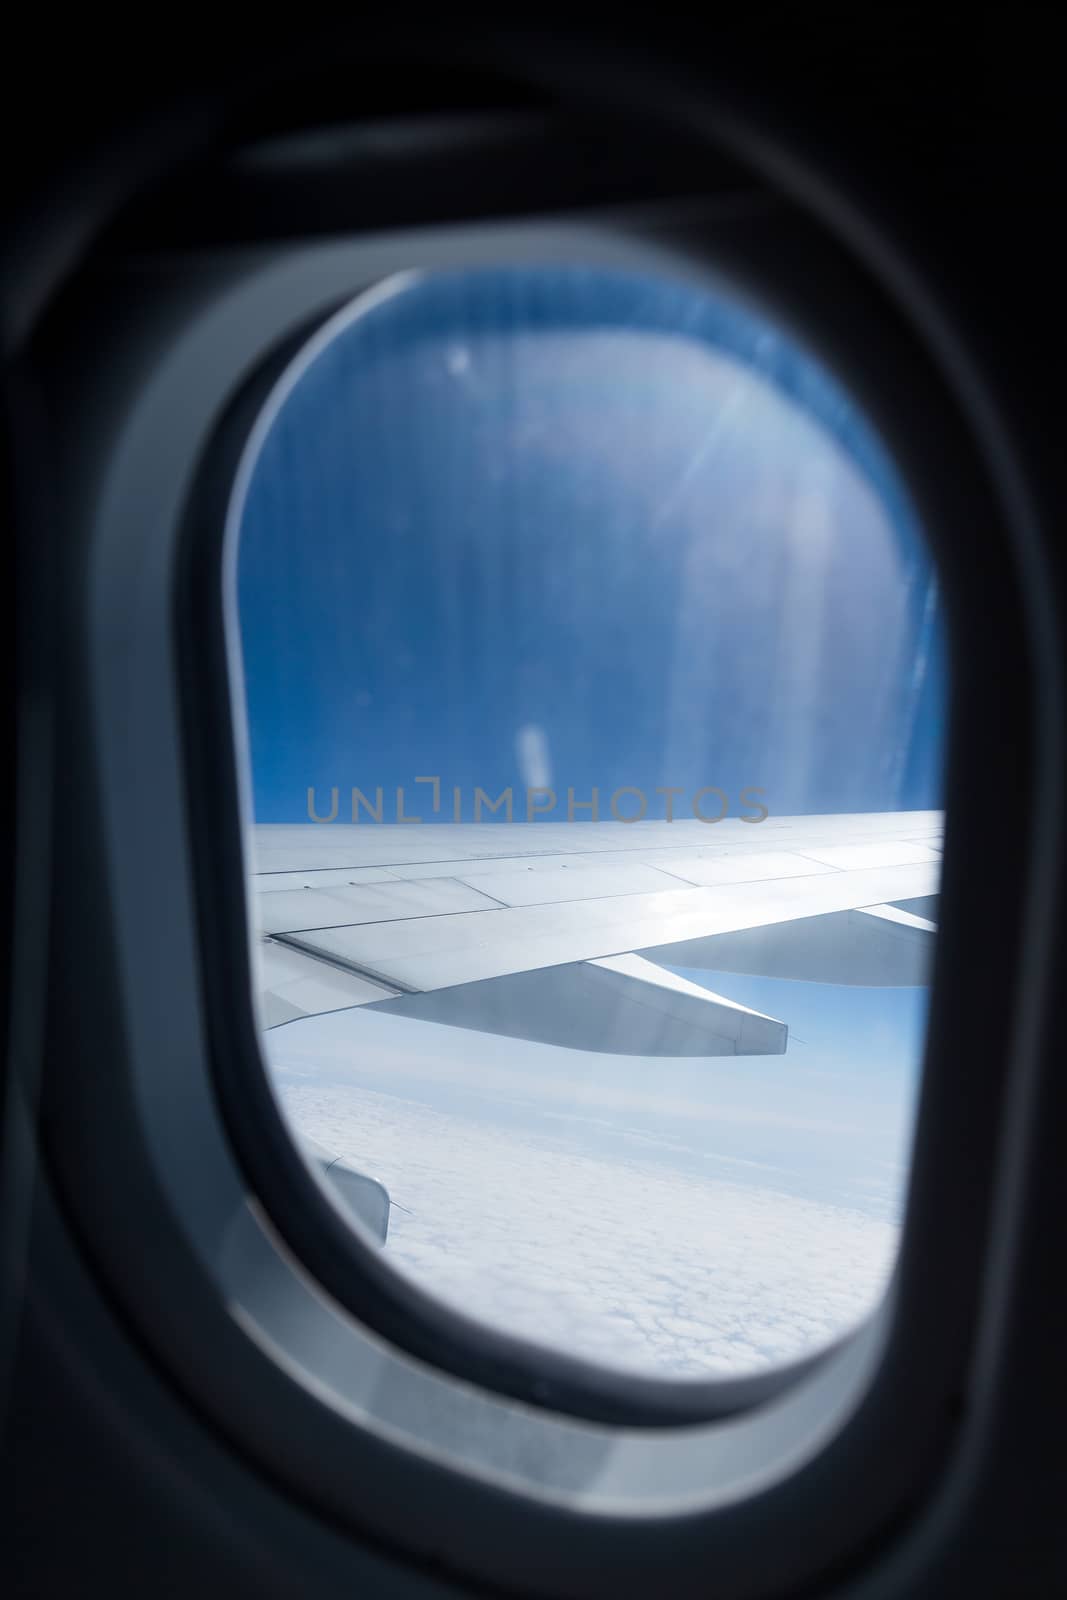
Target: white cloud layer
[(598, 1247)]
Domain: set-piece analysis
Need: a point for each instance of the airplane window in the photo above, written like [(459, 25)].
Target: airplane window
[(595, 686)]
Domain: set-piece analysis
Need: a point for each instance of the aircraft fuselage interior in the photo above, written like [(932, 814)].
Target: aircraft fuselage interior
[(536, 852)]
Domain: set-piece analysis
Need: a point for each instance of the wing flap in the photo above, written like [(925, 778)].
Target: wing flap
[(622, 1005), (877, 946), (293, 984)]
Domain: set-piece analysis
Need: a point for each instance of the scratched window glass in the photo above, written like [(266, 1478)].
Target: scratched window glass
[(595, 681)]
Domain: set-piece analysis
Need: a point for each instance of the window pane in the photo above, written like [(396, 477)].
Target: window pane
[(594, 676)]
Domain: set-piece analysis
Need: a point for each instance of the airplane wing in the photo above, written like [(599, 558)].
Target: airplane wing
[(567, 933)]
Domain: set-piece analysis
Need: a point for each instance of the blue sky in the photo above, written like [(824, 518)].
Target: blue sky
[(604, 506), (634, 518)]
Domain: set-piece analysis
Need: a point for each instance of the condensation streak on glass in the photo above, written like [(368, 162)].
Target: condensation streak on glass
[(594, 675)]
